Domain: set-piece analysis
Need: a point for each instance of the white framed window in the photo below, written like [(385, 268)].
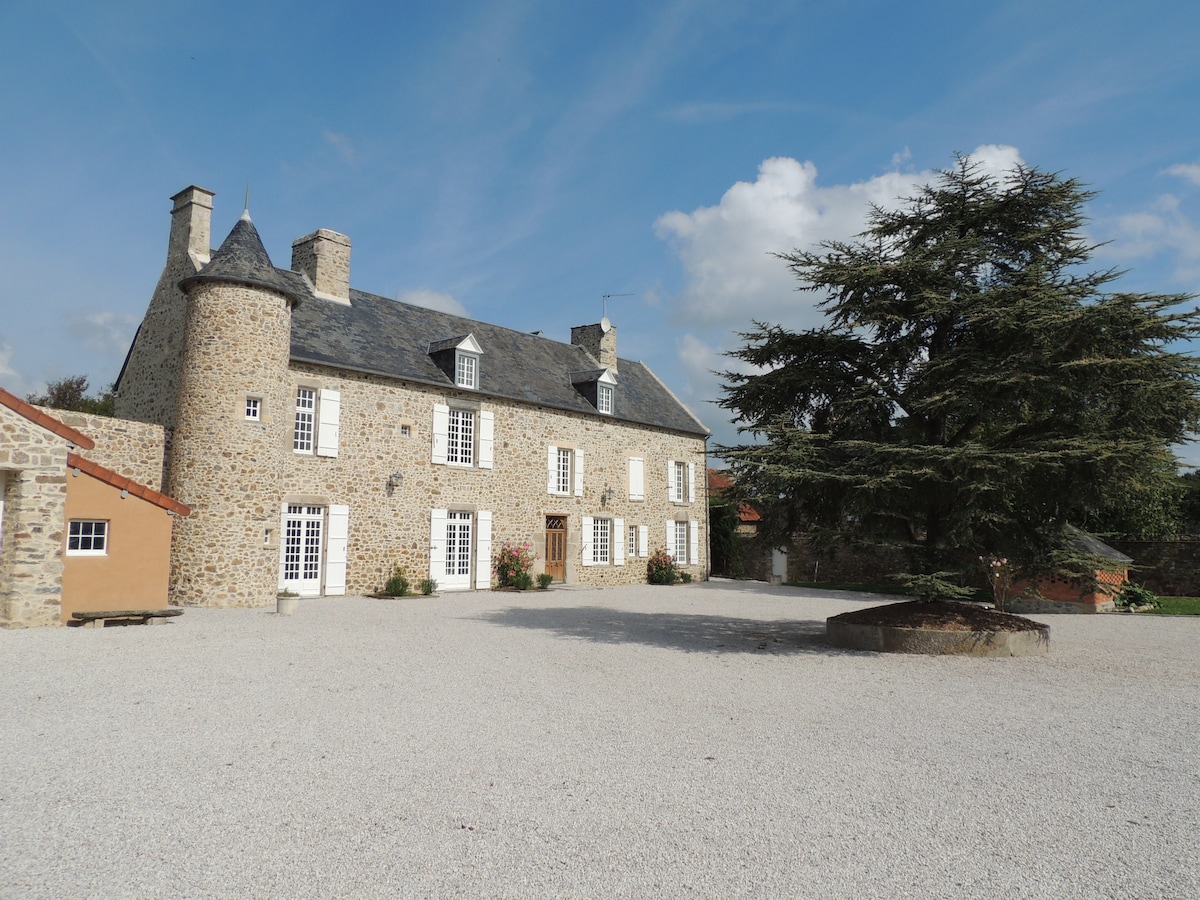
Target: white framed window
[(604, 399), (631, 548), (466, 370), (677, 541), (681, 481), (87, 537), (564, 471), (254, 409), (306, 409), (405, 431), (460, 438), (601, 542), (463, 437)]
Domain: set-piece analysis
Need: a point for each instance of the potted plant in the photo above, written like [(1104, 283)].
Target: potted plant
[(286, 603)]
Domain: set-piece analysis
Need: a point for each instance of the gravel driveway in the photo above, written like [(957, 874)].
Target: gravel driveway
[(697, 741)]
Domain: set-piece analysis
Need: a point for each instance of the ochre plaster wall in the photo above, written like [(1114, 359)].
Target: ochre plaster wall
[(133, 574)]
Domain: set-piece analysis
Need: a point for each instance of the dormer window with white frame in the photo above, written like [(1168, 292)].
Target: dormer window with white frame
[(598, 386), (604, 398), (459, 358)]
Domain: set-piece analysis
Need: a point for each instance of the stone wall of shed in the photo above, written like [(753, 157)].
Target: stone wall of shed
[(129, 448), (31, 542), (389, 529)]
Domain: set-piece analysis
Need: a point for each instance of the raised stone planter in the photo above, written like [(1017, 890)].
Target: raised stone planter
[(287, 606), (974, 633)]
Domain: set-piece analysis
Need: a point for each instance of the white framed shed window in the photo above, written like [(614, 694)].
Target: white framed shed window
[(254, 409), (466, 369), (87, 537)]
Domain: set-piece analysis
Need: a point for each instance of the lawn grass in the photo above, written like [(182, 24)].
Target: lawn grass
[(1179, 606)]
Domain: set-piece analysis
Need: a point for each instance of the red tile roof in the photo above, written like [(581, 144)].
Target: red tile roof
[(35, 415), (108, 476), (718, 483)]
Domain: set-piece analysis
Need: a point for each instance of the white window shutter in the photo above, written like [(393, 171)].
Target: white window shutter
[(694, 542), (282, 542), (671, 538), (552, 469), (587, 541), (643, 540), (437, 545), (335, 550), (637, 478), (618, 541), (691, 482), (487, 438), (441, 436), (328, 427), (483, 549), (578, 473), (671, 479)]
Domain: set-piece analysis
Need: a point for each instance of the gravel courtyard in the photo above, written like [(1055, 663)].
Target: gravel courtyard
[(696, 741)]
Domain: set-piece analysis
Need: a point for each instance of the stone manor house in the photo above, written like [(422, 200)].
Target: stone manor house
[(321, 435)]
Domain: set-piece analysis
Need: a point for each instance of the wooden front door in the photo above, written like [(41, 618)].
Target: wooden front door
[(556, 547)]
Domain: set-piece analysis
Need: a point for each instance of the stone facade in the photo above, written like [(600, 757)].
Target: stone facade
[(33, 472), (334, 505), (132, 449)]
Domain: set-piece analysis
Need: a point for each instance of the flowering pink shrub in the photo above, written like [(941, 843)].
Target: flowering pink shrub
[(660, 568), (513, 564), (1000, 577)]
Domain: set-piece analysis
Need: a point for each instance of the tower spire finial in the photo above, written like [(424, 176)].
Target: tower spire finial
[(246, 208)]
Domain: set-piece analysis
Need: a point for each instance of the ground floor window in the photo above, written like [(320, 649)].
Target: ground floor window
[(301, 565), (87, 537), (601, 541)]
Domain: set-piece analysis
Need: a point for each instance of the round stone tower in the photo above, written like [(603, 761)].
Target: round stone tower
[(232, 435)]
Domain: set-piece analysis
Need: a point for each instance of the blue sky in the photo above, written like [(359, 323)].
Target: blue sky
[(518, 160)]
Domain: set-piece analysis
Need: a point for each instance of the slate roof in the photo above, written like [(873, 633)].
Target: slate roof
[(380, 336), (242, 259)]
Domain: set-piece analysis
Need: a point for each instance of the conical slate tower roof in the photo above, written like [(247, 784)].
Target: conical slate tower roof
[(242, 259)]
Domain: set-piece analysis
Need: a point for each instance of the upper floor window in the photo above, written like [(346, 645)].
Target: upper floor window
[(681, 481), (460, 438), (463, 436), (254, 409), (317, 425), (604, 398), (306, 406), (466, 368), (564, 471), (598, 387), (87, 537)]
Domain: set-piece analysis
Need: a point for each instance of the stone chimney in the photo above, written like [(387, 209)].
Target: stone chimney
[(191, 227), (600, 340), (324, 256)]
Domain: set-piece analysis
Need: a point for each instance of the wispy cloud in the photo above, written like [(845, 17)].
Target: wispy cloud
[(708, 113), (433, 300), (104, 333), (1187, 171), (340, 143)]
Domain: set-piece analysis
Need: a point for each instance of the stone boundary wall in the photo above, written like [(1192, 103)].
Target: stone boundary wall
[(1170, 568), (132, 449), (851, 564)]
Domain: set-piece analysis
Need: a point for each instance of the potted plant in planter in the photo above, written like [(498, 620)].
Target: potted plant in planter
[(286, 603)]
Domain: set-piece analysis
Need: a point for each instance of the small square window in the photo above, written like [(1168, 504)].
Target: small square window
[(254, 409), (405, 431), (87, 537)]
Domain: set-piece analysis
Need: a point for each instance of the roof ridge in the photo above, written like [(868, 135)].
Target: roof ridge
[(117, 480), (45, 420)]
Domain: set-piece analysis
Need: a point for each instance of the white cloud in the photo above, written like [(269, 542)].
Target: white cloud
[(433, 300), (730, 274), (340, 143), (1162, 226), (105, 333), (1187, 171)]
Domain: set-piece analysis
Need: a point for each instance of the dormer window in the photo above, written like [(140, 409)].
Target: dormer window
[(466, 367), (604, 398), (598, 386), (458, 357)]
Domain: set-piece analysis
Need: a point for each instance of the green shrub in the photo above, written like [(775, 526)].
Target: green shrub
[(428, 586), (660, 568), (544, 580), (397, 584), (522, 581), (685, 577), (1132, 595)]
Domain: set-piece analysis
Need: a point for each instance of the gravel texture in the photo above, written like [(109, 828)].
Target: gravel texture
[(695, 741)]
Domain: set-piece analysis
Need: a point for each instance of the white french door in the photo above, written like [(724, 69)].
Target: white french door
[(300, 550), (458, 551)]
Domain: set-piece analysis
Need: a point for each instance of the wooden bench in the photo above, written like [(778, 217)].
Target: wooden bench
[(97, 619)]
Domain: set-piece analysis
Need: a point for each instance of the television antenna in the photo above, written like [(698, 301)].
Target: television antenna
[(604, 303)]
